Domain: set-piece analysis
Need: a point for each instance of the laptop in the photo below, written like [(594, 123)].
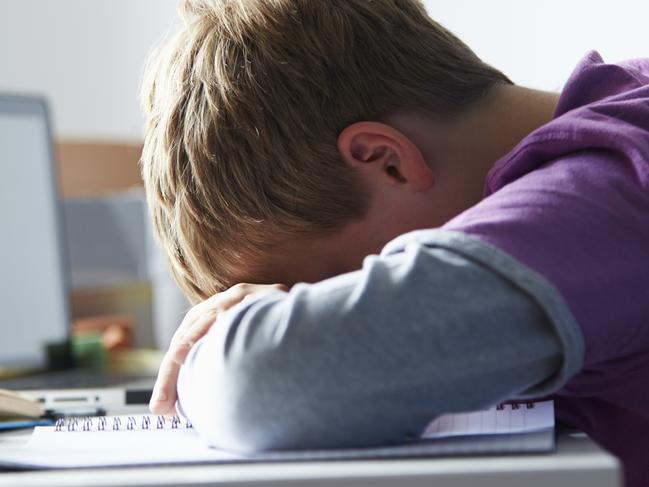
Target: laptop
[(33, 270)]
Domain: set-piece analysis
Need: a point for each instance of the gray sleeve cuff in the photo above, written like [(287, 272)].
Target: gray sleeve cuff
[(521, 276)]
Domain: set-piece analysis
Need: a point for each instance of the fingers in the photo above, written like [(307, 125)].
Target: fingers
[(194, 326), (201, 317), (164, 397), (194, 333)]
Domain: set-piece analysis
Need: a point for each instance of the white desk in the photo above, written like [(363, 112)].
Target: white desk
[(578, 462)]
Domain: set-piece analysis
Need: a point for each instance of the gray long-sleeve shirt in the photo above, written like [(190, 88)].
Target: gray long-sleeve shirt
[(439, 322)]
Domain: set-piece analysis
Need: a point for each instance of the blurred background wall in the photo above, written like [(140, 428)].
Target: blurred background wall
[(537, 43), (87, 56)]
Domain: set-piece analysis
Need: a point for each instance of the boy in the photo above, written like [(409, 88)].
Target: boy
[(289, 139)]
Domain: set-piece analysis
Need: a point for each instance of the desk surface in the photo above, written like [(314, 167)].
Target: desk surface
[(577, 462)]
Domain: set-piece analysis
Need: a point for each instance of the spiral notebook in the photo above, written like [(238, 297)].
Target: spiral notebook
[(154, 440)]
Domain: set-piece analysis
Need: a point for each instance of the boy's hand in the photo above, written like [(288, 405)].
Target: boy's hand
[(196, 323)]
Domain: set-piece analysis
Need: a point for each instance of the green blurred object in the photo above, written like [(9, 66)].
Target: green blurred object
[(89, 352)]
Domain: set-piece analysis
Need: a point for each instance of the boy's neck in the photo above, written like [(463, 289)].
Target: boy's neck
[(508, 115), (462, 151)]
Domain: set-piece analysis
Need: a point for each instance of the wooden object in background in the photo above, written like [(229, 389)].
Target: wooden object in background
[(97, 168)]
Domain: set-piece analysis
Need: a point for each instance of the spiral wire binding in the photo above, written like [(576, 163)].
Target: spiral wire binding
[(175, 422), (116, 423)]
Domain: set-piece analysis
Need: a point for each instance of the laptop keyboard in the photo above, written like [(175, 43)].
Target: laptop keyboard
[(70, 379)]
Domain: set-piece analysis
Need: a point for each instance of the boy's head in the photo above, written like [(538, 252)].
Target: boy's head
[(245, 107)]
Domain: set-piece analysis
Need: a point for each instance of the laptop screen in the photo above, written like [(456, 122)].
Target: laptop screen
[(33, 290)]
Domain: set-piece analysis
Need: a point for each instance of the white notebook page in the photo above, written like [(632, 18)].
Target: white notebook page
[(504, 419), (145, 440)]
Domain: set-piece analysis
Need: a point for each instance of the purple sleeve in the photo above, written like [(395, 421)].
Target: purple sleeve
[(583, 223)]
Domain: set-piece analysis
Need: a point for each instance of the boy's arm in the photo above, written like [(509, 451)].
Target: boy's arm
[(372, 356)]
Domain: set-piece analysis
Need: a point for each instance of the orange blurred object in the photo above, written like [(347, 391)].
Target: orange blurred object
[(116, 330)]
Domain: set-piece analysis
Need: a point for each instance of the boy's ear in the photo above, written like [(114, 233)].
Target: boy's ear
[(385, 155)]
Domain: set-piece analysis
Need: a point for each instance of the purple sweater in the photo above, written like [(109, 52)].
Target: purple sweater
[(571, 201)]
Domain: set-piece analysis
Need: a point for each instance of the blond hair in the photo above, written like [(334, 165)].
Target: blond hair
[(244, 106)]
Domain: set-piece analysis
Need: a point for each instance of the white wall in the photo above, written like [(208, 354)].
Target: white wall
[(87, 55), (537, 43)]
